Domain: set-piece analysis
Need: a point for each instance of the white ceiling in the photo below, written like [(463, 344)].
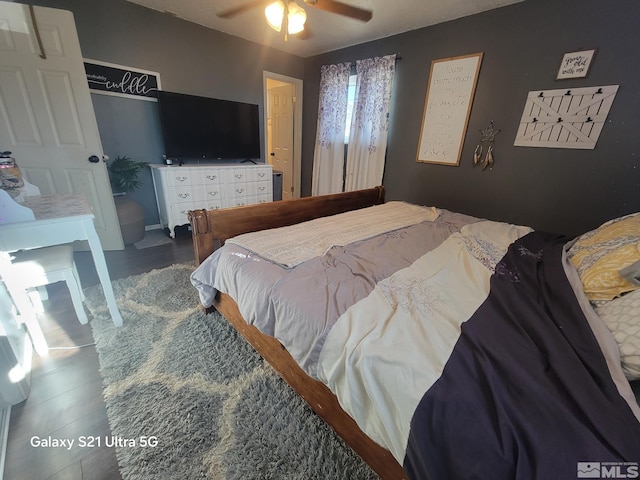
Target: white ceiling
[(328, 31)]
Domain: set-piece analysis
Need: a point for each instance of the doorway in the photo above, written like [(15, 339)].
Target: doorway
[(283, 129)]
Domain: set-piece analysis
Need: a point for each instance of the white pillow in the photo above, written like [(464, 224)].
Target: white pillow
[(622, 318)]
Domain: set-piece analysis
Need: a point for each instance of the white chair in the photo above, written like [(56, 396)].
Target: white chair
[(42, 266)]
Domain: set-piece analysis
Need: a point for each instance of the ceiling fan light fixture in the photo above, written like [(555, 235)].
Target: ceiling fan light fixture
[(274, 13), (295, 19)]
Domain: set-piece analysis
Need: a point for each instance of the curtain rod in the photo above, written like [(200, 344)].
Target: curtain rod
[(398, 58), (353, 63)]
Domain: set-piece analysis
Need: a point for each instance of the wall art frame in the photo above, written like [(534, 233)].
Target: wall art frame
[(447, 106), (118, 80), (576, 64)]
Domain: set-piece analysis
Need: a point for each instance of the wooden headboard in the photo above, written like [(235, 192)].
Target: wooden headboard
[(211, 228)]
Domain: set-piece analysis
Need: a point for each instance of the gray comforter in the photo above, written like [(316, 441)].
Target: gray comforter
[(299, 305)]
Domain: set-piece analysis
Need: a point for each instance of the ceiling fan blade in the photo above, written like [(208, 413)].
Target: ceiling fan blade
[(340, 8), (232, 12)]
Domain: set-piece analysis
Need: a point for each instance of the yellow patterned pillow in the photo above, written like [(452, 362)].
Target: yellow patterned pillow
[(599, 256)]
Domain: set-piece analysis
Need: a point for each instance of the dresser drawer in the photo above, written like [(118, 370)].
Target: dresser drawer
[(264, 174), (239, 175), (238, 189), (181, 177), (215, 177), (214, 191), (214, 204), (186, 193), (264, 187), (179, 212)]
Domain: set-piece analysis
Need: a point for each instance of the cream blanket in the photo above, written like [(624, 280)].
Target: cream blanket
[(307, 240), (387, 350)]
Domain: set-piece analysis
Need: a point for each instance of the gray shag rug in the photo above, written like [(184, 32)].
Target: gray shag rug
[(189, 381)]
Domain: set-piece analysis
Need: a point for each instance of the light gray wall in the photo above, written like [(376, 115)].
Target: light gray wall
[(566, 191), (189, 58)]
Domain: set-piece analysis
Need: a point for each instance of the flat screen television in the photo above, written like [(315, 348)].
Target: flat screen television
[(208, 128)]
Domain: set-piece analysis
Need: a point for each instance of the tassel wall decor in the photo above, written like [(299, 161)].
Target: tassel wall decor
[(488, 137)]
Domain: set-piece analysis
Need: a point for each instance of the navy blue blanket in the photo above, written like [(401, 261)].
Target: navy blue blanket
[(526, 393)]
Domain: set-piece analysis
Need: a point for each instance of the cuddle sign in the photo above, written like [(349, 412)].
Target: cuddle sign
[(109, 79)]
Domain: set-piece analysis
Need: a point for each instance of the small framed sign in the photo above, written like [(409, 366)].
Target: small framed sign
[(575, 64)]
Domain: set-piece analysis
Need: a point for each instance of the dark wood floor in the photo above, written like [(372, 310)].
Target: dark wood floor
[(66, 388)]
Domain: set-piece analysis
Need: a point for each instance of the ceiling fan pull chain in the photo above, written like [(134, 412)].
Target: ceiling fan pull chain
[(285, 21)]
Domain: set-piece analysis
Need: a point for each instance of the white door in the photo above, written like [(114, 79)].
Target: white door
[(46, 115), (281, 155)]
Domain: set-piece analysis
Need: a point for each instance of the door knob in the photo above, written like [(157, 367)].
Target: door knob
[(94, 159)]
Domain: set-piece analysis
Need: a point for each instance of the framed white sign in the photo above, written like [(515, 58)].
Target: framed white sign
[(452, 84), (575, 64)]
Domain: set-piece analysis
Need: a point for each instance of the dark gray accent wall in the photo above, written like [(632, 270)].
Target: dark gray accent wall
[(189, 58), (561, 190)]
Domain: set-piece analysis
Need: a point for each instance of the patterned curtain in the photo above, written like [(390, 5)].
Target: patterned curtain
[(370, 121), (328, 159)]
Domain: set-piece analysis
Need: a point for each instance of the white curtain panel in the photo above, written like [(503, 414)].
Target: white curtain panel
[(370, 121), (328, 157)]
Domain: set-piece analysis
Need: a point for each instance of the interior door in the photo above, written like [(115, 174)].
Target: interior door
[(281, 105), (46, 115)]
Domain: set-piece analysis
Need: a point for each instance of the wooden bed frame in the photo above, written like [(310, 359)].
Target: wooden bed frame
[(211, 228)]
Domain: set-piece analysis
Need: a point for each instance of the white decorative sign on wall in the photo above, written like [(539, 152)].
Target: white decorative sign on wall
[(575, 64), (566, 118), (452, 84)]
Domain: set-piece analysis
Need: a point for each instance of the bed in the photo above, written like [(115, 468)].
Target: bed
[(438, 345)]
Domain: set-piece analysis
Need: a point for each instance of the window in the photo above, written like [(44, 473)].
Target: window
[(351, 99)]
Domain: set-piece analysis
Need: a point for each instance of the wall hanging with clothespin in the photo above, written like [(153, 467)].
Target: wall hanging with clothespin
[(564, 118), (485, 147)]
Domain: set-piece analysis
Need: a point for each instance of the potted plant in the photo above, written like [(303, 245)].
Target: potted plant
[(123, 174)]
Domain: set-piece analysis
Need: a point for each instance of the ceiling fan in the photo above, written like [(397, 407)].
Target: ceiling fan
[(288, 17)]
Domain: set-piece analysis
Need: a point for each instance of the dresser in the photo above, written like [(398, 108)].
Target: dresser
[(180, 189)]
